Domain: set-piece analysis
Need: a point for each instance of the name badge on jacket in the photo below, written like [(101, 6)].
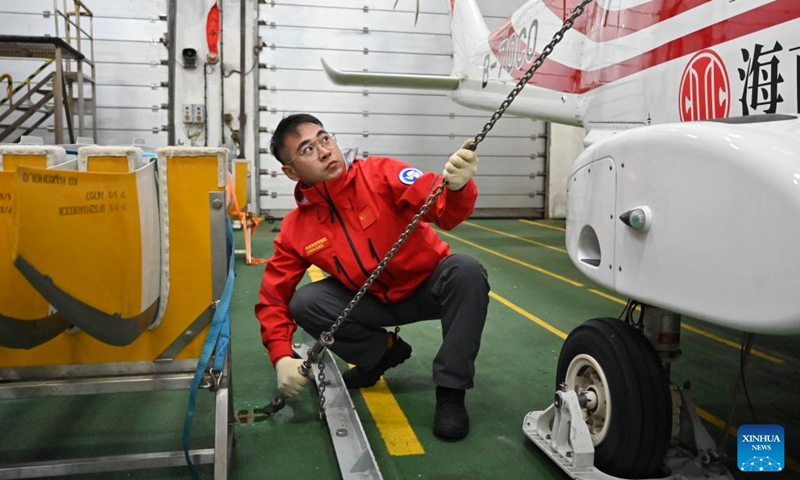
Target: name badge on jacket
[(316, 246)]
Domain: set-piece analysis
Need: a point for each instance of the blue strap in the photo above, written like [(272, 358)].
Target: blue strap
[(216, 342)]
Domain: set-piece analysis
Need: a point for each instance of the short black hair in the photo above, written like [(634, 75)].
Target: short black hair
[(289, 126)]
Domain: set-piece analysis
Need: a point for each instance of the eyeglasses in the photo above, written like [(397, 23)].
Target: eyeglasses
[(311, 150)]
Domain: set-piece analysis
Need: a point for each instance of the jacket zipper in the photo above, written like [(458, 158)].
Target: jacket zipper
[(377, 257), (341, 270), (364, 271)]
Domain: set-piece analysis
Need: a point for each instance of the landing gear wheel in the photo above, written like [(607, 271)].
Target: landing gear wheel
[(629, 413)]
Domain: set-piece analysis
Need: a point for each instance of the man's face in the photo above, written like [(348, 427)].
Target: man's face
[(320, 163)]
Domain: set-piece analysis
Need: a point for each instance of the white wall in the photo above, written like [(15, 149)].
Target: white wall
[(421, 127), (566, 143)]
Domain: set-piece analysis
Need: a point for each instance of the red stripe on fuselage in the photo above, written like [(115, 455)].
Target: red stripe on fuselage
[(557, 76), (601, 25)]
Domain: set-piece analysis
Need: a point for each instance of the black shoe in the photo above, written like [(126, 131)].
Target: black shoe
[(398, 353), (451, 421)]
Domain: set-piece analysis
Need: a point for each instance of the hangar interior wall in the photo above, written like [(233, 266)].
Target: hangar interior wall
[(422, 127), (284, 42)]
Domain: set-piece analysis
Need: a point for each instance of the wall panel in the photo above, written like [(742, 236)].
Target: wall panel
[(422, 127)]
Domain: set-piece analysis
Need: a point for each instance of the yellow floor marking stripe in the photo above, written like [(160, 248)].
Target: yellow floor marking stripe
[(515, 237), (543, 225), (529, 316), (315, 273), (713, 420), (700, 332), (395, 430), (511, 259), (732, 344)]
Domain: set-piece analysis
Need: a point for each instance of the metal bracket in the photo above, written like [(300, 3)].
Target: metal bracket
[(561, 433), (118, 378), (353, 452)]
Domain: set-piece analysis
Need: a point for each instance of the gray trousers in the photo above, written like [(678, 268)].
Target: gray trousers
[(457, 292)]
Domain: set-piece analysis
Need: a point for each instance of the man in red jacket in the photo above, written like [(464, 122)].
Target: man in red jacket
[(348, 216)]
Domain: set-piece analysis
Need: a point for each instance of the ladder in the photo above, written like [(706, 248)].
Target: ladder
[(56, 89)]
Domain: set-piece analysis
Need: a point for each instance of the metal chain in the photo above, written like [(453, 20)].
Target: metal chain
[(321, 385), (546, 51), (327, 337)]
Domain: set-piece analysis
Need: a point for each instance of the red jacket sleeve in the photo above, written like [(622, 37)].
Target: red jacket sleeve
[(283, 272), (450, 208)]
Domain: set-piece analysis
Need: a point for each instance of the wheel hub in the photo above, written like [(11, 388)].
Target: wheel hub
[(586, 378)]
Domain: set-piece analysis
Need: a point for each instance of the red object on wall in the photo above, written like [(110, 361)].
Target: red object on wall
[(212, 33)]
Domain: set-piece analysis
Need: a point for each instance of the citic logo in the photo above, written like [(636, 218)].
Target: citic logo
[(705, 88)]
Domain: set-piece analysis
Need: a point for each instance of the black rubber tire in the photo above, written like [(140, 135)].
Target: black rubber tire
[(639, 431)]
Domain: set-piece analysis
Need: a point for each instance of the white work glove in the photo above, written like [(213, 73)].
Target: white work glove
[(461, 166), (290, 381)]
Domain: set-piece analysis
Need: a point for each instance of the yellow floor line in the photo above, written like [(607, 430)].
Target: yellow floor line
[(529, 316), (395, 430), (543, 225), (514, 260), (515, 237), (315, 273), (711, 336), (713, 420)]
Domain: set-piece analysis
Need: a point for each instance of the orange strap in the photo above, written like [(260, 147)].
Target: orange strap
[(249, 223)]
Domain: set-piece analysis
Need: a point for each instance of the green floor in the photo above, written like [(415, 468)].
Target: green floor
[(515, 374)]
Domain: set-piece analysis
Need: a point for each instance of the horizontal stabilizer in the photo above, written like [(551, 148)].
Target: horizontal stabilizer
[(397, 80)]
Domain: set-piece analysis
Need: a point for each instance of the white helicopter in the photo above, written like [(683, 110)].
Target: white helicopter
[(691, 116)]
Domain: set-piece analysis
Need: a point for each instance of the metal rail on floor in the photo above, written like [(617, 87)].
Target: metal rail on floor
[(353, 452), (32, 382)]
